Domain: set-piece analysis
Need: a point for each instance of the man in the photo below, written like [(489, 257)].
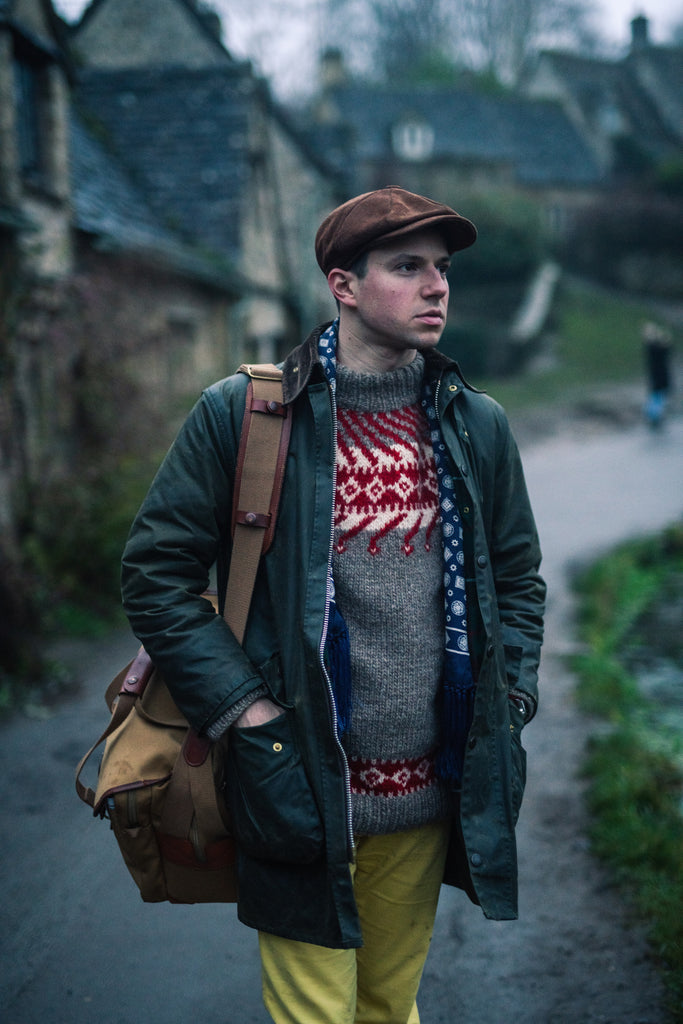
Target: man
[(394, 638)]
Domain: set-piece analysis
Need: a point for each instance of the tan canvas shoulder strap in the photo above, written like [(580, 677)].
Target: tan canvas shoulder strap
[(260, 471), (258, 482)]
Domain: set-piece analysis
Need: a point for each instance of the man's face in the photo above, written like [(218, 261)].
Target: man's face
[(400, 304)]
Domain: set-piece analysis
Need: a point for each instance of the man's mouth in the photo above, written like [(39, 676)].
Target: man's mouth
[(431, 316)]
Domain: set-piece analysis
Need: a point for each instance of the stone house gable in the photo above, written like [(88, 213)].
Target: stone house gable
[(110, 320), (149, 33), (638, 98), (214, 154)]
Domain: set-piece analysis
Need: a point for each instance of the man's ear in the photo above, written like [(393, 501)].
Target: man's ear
[(341, 284)]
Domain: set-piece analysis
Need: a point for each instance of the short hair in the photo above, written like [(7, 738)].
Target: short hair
[(359, 267)]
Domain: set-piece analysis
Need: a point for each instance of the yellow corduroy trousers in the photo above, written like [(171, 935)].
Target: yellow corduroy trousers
[(396, 882)]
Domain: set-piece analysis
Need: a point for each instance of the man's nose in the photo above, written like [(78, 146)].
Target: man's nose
[(435, 283)]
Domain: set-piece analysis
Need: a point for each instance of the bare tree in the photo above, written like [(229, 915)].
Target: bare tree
[(497, 37), (500, 36), (400, 40), (411, 35)]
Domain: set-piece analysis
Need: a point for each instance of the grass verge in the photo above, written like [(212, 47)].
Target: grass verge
[(634, 764), (595, 342)]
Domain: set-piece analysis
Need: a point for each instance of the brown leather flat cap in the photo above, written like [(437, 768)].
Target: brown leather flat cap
[(369, 220)]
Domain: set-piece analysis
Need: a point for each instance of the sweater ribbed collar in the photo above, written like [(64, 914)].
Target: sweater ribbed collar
[(380, 392)]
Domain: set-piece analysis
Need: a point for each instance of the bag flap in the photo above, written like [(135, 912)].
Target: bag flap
[(158, 706), (138, 753)]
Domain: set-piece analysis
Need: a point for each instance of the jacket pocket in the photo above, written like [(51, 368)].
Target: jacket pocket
[(272, 807)]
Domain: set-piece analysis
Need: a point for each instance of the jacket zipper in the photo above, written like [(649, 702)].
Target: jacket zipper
[(321, 651), (436, 395)]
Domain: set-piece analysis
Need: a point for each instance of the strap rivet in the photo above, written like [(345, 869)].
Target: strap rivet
[(250, 518)]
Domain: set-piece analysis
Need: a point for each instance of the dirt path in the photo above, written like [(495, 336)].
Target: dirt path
[(78, 946)]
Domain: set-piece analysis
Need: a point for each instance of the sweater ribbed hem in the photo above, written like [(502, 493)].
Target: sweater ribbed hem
[(378, 815)]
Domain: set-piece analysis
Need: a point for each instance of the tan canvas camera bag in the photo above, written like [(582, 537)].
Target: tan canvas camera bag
[(156, 778)]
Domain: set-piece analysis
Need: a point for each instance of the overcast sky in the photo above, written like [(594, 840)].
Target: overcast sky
[(253, 38), (613, 18)]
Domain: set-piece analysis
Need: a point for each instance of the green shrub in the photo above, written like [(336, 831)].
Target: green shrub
[(73, 546), (629, 240), (635, 768), (509, 243)]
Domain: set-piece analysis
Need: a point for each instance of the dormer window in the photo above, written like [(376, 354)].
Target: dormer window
[(413, 140)]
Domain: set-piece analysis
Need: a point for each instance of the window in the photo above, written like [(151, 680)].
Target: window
[(28, 96), (413, 140)]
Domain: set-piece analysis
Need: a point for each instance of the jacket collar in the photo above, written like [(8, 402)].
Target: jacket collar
[(302, 366)]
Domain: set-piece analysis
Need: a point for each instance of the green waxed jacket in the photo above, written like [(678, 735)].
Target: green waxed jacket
[(182, 529)]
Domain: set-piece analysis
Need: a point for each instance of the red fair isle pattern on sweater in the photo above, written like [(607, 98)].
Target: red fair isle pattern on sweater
[(372, 777), (386, 477)]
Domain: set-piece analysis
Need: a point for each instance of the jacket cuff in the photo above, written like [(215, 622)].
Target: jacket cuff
[(229, 717), (530, 705)]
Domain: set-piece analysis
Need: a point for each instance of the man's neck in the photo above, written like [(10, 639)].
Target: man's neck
[(364, 357)]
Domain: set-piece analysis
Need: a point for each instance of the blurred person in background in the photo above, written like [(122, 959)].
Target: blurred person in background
[(657, 350)]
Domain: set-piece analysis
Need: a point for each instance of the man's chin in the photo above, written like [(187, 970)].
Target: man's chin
[(425, 344)]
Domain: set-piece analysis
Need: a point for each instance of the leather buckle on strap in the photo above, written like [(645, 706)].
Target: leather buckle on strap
[(261, 519), (138, 675), (270, 406)]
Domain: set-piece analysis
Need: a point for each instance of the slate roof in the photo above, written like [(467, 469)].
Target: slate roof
[(105, 202), (183, 135), (108, 205), (533, 137), (595, 82), (669, 63)]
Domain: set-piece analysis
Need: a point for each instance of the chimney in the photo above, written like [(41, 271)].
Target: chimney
[(639, 33), (332, 69), (210, 17)]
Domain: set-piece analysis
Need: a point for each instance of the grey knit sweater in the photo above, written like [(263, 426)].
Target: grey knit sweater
[(388, 574)]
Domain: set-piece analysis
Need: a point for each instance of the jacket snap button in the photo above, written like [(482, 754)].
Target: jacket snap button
[(277, 747), (481, 561), (490, 651), (475, 860)]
